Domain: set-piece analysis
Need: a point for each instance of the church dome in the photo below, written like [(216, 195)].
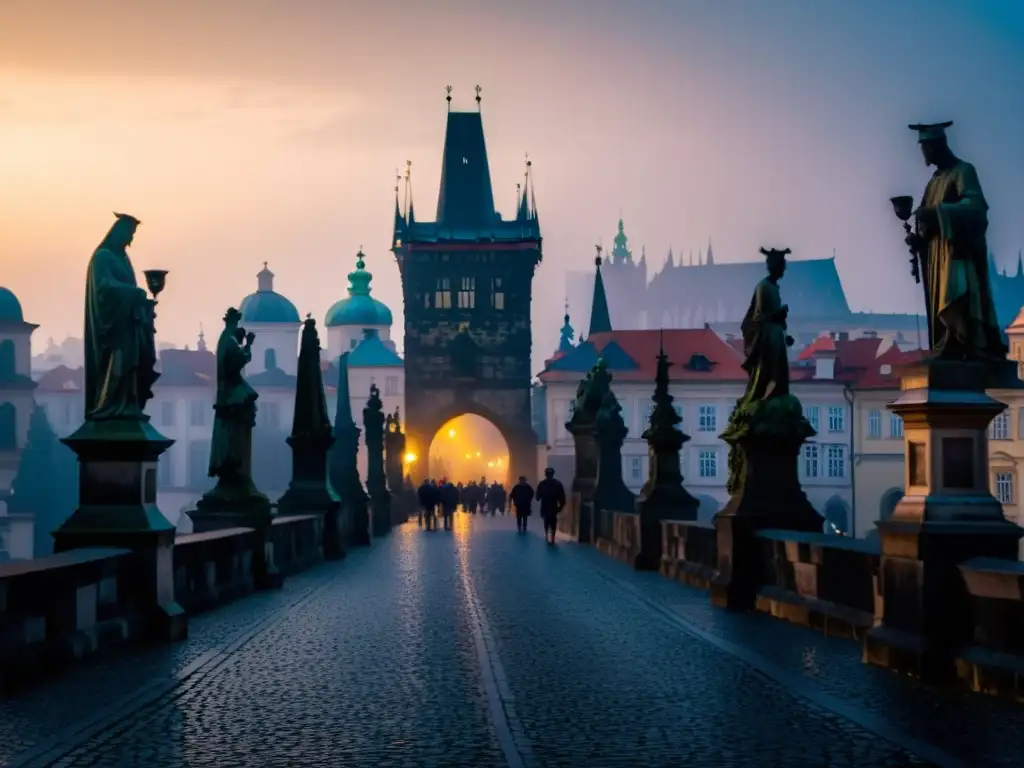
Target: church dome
[(10, 307), (359, 309), (266, 305)]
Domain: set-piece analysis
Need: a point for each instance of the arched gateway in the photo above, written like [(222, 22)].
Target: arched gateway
[(467, 280)]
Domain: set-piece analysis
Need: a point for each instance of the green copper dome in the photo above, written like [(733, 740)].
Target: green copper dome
[(359, 308), (10, 307), (266, 305)]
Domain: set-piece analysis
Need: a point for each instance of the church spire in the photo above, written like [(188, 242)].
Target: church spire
[(600, 319), (670, 260), (399, 225), (711, 256), (410, 214), (1020, 265), (567, 333), (523, 213), (201, 345)]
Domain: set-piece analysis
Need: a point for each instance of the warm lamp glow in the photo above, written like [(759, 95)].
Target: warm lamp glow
[(478, 454), (451, 433), (490, 464), (409, 457)]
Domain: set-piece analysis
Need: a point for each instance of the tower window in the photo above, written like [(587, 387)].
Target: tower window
[(270, 359), (497, 293), (442, 293), (467, 293)]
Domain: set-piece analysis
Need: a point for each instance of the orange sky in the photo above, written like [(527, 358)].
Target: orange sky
[(243, 132)]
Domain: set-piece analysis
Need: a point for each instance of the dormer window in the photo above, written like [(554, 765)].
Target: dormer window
[(699, 363)]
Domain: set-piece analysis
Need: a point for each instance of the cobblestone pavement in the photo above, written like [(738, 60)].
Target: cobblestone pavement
[(482, 647)]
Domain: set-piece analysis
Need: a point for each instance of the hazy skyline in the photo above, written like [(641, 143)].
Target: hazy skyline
[(244, 132)]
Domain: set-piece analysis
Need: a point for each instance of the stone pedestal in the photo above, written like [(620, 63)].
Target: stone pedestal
[(766, 441), (241, 506), (117, 508), (946, 516), (309, 493), (584, 482)]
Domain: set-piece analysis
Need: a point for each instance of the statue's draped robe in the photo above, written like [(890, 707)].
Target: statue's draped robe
[(120, 353), (764, 344), (959, 290), (235, 411)]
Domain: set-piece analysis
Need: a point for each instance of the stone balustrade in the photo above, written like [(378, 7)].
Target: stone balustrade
[(994, 661), (689, 552), (826, 582), (61, 609), (619, 535), (830, 584)]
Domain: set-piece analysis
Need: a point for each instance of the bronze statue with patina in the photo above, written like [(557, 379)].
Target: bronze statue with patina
[(120, 348), (234, 415), (948, 238)]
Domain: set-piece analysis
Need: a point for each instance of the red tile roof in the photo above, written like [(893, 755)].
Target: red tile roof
[(680, 346), (62, 379), (887, 368), (820, 344)]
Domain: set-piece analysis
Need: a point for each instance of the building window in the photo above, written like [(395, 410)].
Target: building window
[(635, 468), (166, 414), (836, 459), (391, 385), (812, 454), (442, 293), (812, 413), (1000, 428), (708, 464), (165, 467), (467, 293), (895, 426), (836, 418), (874, 424), (679, 412), (7, 364), (269, 359), (8, 427), (197, 414), (707, 420), (497, 294), (270, 415), (1004, 487)]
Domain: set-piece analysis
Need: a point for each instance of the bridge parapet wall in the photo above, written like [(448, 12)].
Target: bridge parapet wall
[(61, 609)]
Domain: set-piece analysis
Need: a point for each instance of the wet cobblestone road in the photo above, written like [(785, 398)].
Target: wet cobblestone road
[(482, 647)]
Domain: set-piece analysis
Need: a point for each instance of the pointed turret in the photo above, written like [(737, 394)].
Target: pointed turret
[(566, 335), (201, 344), (265, 279), (466, 199), (600, 319), (670, 260), (620, 247), (711, 256), (643, 254), (1020, 265), (399, 227)]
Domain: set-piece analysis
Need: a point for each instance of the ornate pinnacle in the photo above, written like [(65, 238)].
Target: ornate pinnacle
[(478, 89)]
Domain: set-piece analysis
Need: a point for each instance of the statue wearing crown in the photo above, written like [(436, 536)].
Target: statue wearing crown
[(948, 237)]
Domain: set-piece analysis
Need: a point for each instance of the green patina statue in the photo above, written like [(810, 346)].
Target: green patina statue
[(234, 414), (120, 350), (767, 408)]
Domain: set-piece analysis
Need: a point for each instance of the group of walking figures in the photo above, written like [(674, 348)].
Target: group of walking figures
[(443, 494)]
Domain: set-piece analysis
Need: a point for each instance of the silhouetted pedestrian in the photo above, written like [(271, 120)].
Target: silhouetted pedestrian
[(521, 498), (551, 496)]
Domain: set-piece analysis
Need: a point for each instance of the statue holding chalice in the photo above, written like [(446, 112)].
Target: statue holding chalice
[(949, 251), (120, 346)]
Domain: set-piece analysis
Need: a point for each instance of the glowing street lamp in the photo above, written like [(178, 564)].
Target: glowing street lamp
[(490, 464), (409, 458), (451, 433)]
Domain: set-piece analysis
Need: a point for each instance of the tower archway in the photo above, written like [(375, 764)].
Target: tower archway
[(467, 449)]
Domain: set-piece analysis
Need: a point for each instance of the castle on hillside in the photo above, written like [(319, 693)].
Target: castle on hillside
[(703, 292)]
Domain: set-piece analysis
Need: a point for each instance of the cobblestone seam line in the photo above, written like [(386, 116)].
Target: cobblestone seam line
[(66, 741), (514, 743), (797, 687)]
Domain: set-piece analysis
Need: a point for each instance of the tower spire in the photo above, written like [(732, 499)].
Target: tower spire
[(1020, 265), (448, 96), (711, 256), (600, 318), (567, 333), (478, 89), (410, 213), (523, 212)]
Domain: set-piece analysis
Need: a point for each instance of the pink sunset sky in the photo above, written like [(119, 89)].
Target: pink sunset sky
[(248, 131)]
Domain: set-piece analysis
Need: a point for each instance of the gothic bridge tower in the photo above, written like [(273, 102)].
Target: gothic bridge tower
[(467, 281)]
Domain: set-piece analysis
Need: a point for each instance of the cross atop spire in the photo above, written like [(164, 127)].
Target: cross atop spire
[(478, 89), (448, 96)]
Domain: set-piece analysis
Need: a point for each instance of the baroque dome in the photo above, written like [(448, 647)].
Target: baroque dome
[(359, 309), (266, 305), (10, 307)]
